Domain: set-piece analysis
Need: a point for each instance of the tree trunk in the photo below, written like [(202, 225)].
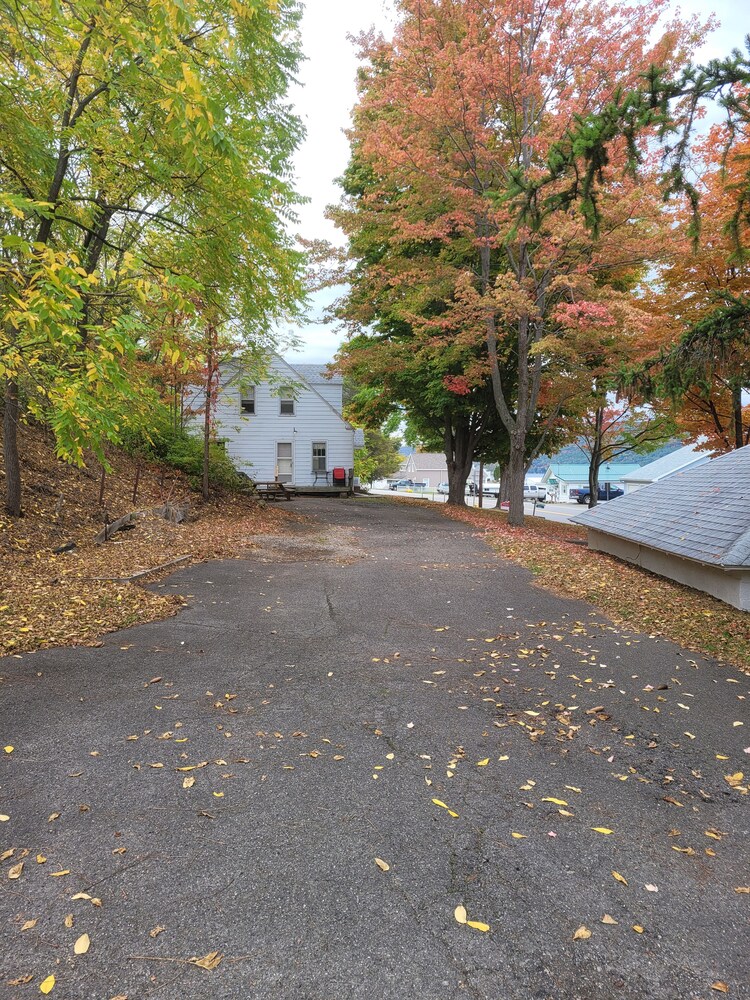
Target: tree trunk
[(459, 452), (10, 450), (516, 475), (595, 459), (207, 416)]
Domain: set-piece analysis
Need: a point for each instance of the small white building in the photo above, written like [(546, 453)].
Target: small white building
[(680, 460), (288, 427), (564, 481), (693, 527)]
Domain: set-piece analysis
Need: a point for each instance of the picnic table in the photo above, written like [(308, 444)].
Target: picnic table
[(272, 489)]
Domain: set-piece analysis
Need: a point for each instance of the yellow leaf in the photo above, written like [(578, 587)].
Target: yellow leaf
[(9, 749), (478, 925), (637, 928), (156, 931), (518, 836), (618, 878), (82, 945), (382, 865), (582, 934), (742, 888), (483, 763), (4, 818), (209, 961), (565, 812), (460, 914), (606, 919), (40, 859), (557, 802), (188, 781), (218, 795), (601, 829), (734, 779), (29, 924), (48, 985), (15, 871), (68, 921), (65, 871), (720, 987), (444, 806)]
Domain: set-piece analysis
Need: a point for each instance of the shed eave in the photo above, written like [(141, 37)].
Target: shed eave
[(726, 567)]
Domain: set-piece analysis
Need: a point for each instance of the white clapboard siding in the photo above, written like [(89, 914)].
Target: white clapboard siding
[(251, 440)]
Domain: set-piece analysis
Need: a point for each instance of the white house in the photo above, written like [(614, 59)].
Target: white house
[(680, 460), (288, 427), (566, 480), (693, 527)]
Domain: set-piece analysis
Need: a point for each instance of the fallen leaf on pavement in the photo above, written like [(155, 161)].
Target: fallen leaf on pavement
[(557, 802), (82, 945), (601, 829), (720, 987), (15, 871), (48, 985), (637, 928), (477, 925), (606, 919), (582, 934), (382, 865), (156, 931), (618, 878), (188, 781), (733, 780), (68, 921), (460, 914), (650, 888), (209, 961), (29, 924)]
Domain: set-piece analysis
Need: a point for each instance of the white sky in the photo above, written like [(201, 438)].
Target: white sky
[(328, 92)]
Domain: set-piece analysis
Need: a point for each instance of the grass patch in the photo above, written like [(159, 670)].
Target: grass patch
[(630, 596)]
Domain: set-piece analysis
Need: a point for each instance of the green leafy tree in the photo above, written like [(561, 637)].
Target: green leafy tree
[(379, 458), (145, 156)]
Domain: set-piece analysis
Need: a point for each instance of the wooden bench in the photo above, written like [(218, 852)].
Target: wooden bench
[(273, 490)]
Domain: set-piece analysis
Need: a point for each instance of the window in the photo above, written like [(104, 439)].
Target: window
[(286, 395), (247, 399), (319, 456)]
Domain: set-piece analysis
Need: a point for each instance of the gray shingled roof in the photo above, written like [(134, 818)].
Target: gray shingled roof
[(667, 465), (701, 514), (315, 374)]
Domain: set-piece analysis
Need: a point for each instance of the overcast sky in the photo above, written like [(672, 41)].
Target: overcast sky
[(328, 91)]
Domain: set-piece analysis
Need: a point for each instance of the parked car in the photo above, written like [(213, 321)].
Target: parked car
[(443, 488), (535, 492), (604, 493), (406, 484), (489, 489)]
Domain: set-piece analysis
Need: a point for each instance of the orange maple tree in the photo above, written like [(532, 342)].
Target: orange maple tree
[(464, 98)]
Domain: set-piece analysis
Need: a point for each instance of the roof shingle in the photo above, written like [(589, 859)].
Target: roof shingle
[(702, 513)]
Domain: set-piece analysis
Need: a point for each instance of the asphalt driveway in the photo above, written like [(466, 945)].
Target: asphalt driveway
[(378, 686)]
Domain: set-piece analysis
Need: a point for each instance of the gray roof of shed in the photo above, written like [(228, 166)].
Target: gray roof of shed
[(702, 513), (667, 465)]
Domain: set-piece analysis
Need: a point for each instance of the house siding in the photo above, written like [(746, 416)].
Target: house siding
[(251, 440)]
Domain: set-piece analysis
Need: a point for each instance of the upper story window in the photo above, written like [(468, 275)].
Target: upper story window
[(247, 399), (286, 401)]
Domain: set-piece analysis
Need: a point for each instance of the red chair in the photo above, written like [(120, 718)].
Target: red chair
[(339, 477)]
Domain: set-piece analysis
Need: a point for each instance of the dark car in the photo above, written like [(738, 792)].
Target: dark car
[(604, 493)]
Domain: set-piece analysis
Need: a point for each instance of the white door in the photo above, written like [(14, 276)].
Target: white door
[(284, 462)]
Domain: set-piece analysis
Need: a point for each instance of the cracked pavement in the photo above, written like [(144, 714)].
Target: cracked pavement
[(324, 692)]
